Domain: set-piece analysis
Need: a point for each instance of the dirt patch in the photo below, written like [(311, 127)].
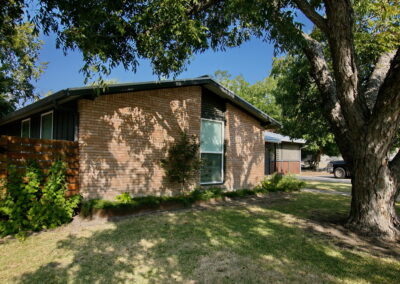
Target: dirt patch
[(333, 228)]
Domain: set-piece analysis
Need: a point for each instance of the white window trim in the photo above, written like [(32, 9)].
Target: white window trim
[(52, 122), (22, 122), (215, 152)]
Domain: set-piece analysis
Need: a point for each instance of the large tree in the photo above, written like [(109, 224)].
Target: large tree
[(363, 115), (19, 53)]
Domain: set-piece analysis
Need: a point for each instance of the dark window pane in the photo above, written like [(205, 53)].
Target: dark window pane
[(25, 128), (47, 126)]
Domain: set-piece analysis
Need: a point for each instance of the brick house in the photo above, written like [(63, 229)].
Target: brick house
[(124, 131)]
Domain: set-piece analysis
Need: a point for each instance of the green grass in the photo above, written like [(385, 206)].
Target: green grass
[(329, 186), (262, 242)]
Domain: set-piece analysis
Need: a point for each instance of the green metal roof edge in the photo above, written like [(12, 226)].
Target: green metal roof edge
[(70, 94)]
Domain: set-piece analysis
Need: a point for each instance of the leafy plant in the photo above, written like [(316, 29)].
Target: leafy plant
[(279, 182), (183, 160), (33, 201), (124, 197)]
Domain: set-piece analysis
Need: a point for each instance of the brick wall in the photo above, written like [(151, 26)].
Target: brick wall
[(123, 137), (245, 149)]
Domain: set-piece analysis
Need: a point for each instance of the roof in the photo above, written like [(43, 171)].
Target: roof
[(70, 94), (278, 138)]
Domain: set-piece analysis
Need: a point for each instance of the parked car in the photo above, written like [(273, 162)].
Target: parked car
[(339, 169)]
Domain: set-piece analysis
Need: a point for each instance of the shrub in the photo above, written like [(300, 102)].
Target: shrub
[(279, 182), (33, 201), (124, 197), (183, 161), (240, 193)]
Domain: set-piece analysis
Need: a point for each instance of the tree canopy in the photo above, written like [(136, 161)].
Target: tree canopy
[(259, 94), (19, 52)]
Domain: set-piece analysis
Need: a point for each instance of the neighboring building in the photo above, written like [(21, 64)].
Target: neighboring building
[(282, 154), (124, 132)]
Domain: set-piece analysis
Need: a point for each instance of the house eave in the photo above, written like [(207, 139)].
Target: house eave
[(91, 92)]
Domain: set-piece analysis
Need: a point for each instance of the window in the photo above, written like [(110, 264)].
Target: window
[(26, 128), (46, 125), (212, 151)]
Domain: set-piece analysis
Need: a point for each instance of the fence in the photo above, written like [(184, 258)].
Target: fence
[(17, 151)]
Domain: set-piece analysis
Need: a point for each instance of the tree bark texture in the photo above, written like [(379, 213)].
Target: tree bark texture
[(364, 121)]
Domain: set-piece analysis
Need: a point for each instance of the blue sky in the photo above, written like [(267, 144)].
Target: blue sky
[(252, 60)]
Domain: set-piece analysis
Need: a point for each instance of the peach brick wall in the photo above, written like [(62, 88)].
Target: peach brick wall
[(123, 137), (245, 149)]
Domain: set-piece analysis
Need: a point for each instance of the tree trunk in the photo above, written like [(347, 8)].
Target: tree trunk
[(373, 198)]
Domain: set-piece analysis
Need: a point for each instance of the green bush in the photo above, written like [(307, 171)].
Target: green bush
[(240, 193), (33, 201), (182, 163), (206, 194), (279, 182), (124, 197), (89, 206)]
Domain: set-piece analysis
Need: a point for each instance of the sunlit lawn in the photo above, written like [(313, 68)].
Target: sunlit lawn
[(329, 186), (263, 242)]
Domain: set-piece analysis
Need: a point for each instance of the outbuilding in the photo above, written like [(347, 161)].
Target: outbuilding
[(282, 154)]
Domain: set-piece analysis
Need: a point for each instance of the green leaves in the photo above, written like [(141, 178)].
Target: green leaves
[(182, 163), (258, 94), (35, 201), (19, 54)]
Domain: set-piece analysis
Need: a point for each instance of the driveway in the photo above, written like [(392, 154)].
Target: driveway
[(324, 178)]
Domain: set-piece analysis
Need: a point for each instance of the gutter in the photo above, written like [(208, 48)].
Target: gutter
[(70, 94)]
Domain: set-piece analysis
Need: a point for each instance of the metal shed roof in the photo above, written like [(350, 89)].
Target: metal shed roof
[(279, 138)]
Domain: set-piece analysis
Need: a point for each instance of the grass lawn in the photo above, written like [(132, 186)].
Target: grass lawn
[(276, 239), (329, 186)]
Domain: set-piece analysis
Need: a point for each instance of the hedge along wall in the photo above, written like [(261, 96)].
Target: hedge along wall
[(18, 151)]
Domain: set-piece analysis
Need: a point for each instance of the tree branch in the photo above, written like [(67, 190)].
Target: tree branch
[(327, 87), (311, 14), (341, 42), (377, 77), (385, 118)]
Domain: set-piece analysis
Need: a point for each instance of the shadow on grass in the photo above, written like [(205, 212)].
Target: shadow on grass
[(253, 244)]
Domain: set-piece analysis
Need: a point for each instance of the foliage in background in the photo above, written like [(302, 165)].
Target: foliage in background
[(182, 163), (259, 94), (34, 201), (279, 182), (19, 55), (301, 104)]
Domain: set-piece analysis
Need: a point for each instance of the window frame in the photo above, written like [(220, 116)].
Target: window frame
[(22, 122), (222, 153), (52, 124)]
